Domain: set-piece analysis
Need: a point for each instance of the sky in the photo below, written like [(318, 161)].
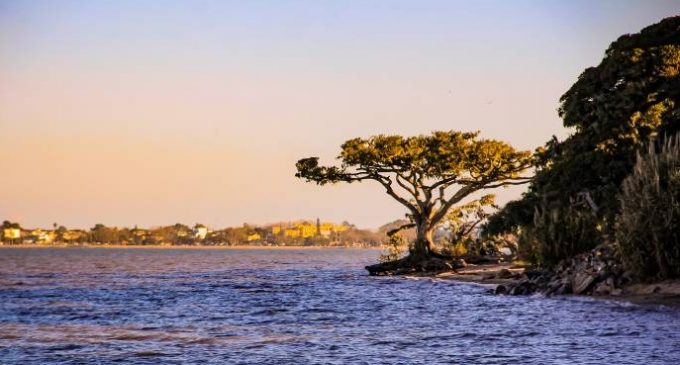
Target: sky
[(156, 112)]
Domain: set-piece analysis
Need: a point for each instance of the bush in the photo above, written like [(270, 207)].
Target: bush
[(648, 225), (559, 233), (614, 108), (395, 247), (457, 248)]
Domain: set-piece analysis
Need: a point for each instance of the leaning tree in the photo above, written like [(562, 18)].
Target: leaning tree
[(427, 174)]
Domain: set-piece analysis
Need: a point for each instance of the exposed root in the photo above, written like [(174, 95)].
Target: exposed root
[(416, 264)]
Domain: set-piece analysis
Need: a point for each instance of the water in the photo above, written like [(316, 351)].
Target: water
[(174, 306)]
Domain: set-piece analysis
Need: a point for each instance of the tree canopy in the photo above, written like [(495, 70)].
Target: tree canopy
[(630, 98), (427, 174)]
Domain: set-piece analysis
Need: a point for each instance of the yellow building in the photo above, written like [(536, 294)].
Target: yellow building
[(11, 233), (304, 229), (326, 229), (308, 230), (42, 236), (292, 232), (254, 237), (301, 229)]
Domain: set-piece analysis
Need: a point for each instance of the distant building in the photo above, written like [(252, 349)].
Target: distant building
[(304, 229), (11, 233), (42, 236), (254, 237), (200, 232), (291, 232)]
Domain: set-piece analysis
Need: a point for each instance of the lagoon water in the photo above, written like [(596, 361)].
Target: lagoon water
[(316, 306)]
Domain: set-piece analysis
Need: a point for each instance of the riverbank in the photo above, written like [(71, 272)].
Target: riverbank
[(189, 247), (508, 275)]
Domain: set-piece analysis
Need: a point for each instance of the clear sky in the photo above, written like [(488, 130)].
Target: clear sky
[(157, 112)]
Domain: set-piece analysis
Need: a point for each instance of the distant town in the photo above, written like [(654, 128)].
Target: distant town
[(296, 233)]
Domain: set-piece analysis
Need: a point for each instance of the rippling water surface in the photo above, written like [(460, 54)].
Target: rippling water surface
[(174, 306)]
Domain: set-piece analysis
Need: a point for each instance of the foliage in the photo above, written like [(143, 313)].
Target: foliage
[(355, 235), (458, 248), (466, 218), (102, 234), (408, 233), (558, 233), (630, 98), (231, 236), (418, 171), (648, 226), (463, 224), (8, 224), (394, 248)]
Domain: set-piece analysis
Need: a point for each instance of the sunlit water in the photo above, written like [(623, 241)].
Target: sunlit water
[(163, 306)]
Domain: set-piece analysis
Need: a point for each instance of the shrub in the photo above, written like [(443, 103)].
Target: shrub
[(559, 233), (614, 108), (648, 225), (395, 247), (457, 248)]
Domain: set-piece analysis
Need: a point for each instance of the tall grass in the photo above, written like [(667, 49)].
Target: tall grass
[(557, 234), (648, 225)]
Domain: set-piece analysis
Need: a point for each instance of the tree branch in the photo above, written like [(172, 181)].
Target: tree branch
[(518, 181), (387, 183), (394, 231), (447, 204), (413, 192)]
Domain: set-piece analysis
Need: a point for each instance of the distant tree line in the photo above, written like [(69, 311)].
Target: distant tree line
[(181, 234)]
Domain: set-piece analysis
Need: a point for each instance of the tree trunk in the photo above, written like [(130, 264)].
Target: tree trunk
[(421, 259), (423, 244)]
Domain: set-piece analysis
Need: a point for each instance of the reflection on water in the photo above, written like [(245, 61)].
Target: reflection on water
[(174, 306)]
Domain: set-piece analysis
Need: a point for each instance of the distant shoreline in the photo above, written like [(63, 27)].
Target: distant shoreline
[(193, 247)]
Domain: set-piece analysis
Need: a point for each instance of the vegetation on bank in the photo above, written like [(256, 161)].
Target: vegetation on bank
[(429, 175), (648, 224), (614, 179), (300, 233)]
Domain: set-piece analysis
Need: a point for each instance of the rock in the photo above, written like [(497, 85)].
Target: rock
[(553, 287), (504, 274), (436, 265), (625, 278), (565, 288), (597, 272), (602, 288), (459, 263), (501, 290), (536, 273), (582, 282), (488, 276), (616, 292), (611, 282), (524, 287)]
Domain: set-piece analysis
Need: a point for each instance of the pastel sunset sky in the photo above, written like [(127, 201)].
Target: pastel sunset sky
[(155, 112)]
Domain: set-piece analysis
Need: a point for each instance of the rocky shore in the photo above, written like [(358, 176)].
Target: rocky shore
[(596, 273)]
